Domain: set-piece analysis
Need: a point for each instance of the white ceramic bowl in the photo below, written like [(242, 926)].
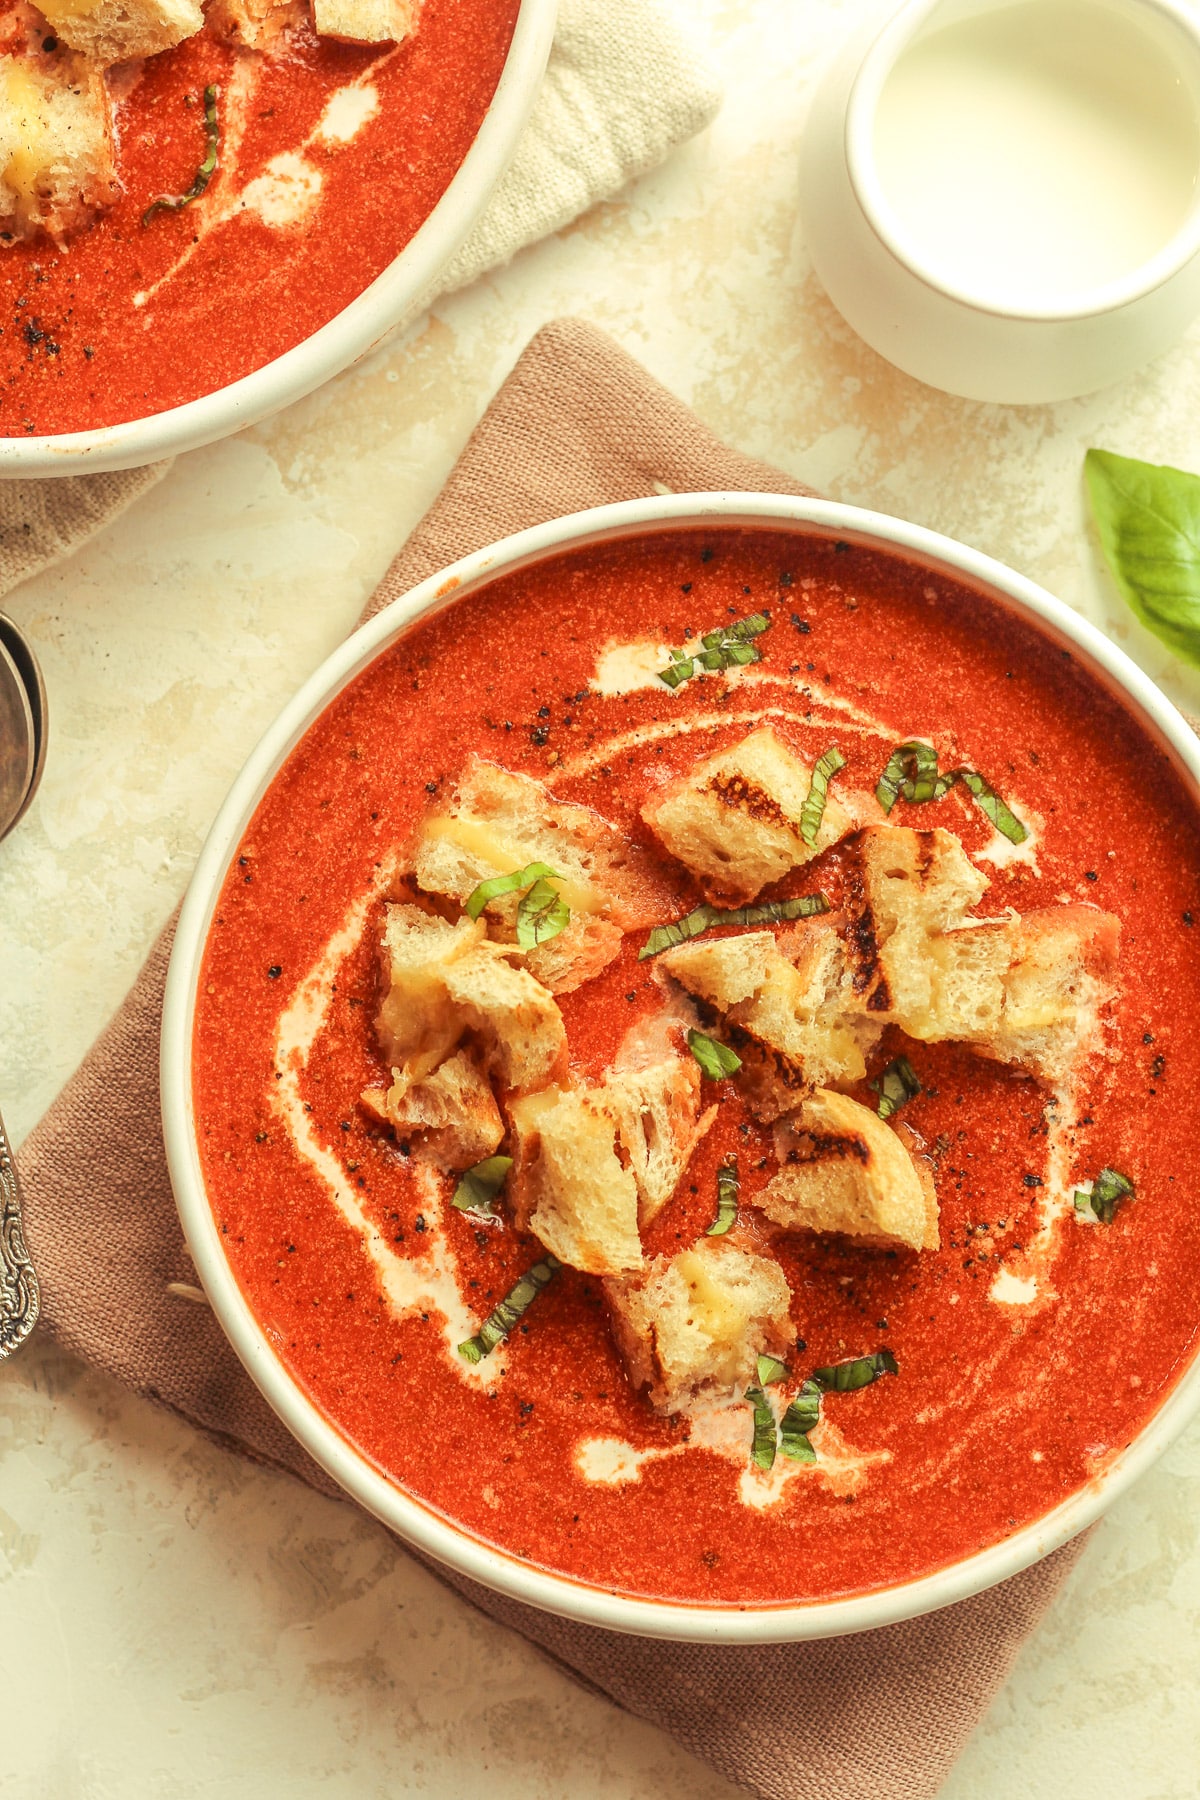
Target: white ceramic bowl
[(954, 338), (428, 1531), (393, 299)]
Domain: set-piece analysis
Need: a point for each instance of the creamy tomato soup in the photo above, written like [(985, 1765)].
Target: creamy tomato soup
[(1029, 1347), (331, 156)]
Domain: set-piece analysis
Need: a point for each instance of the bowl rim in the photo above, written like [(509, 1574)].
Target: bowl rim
[(886, 48), (414, 1521), (395, 297)]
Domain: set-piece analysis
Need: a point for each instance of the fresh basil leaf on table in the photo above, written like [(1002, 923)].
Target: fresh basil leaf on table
[(1148, 517)]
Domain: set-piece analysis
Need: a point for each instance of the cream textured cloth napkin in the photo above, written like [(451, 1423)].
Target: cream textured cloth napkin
[(626, 82), (874, 1717)]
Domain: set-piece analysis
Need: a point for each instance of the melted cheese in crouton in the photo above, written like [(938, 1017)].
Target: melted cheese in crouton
[(843, 1170), (781, 1005), (56, 148), (735, 820), (442, 980), (693, 1325), (499, 822)]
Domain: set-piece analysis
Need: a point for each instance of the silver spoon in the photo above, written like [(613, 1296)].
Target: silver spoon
[(23, 723), (19, 1297)]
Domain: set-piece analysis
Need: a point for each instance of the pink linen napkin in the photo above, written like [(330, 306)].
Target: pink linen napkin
[(882, 1714)]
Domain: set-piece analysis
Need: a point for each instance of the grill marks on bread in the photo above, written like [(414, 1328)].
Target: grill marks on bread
[(734, 821), (803, 1007)]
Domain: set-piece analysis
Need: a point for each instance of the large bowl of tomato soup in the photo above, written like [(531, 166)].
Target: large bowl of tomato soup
[(1030, 1366), (349, 175)]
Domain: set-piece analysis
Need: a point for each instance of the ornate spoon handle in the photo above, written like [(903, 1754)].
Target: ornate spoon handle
[(19, 1298)]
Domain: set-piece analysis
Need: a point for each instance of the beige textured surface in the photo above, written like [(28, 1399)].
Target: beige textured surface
[(201, 1626)]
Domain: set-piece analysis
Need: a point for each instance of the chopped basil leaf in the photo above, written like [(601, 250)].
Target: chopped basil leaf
[(799, 1419), (861, 1371), (478, 898), (507, 1315), (542, 914), (762, 1450), (1102, 1197), (770, 1369), (478, 1186), (987, 800), (896, 1086), (717, 1060), (728, 647), (813, 810), (708, 918), (207, 169), (912, 774), (727, 1198)]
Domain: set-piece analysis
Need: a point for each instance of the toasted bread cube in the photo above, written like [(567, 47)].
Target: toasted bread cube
[(904, 887), (1063, 972), (656, 1109), (781, 1003), (967, 971), (255, 24), (366, 21), (57, 167), (515, 1015), (497, 823), (452, 1113), (735, 820), (114, 31), (569, 1186), (418, 1024), (843, 1170), (694, 1324)]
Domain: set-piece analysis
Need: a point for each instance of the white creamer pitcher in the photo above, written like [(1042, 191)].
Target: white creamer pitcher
[(1002, 198)]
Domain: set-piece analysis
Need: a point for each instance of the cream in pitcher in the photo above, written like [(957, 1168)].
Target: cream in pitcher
[(1000, 196), (1036, 151)]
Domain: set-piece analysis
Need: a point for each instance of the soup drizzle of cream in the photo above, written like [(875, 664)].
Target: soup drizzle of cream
[(288, 190), (410, 1285)]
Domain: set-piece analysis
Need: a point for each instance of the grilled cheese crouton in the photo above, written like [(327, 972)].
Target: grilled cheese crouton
[(735, 820), (418, 1024), (1063, 971), (57, 168), (255, 24), (366, 21), (693, 1325), (903, 887), (452, 1113), (515, 1015), (114, 31), (441, 980), (578, 1150), (569, 1186), (497, 823), (656, 1109), (843, 1170), (780, 1001)]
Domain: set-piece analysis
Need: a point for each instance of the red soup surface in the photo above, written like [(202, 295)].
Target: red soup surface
[(332, 155), (1031, 1347)]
